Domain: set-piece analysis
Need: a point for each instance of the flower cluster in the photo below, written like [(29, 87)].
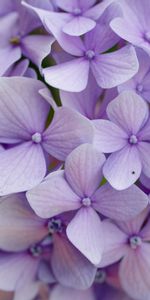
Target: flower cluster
[(74, 150)]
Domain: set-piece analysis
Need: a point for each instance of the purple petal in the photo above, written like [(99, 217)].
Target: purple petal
[(77, 102), (119, 205), (70, 267), (62, 197), (63, 293), (78, 26), (135, 272), (69, 6), (144, 149), (18, 69), (114, 244), (23, 111), (37, 47), (90, 239), (67, 131), (83, 169), (108, 136), (112, 69), (66, 76), (19, 170), (128, 111), (123, 168), (16, 271), (8, 56), (26, 228)]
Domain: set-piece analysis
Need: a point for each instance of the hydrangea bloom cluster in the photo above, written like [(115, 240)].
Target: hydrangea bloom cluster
[(74, 150)]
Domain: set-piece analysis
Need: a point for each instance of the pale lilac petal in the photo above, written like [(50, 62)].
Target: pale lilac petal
[(26, 228), (134, 225), (23, 111), (27, 292), (120, 205), (129, 111), (135, 272), (16, 271), (108, 136), (78, 26), (53, 196), (114, 244), (123, 168), (8, 56), (54, 23), (144, 149), (19, 170), (63, 293), (97, 10), (83, 169), (18, 69), (77, 102), (37, 47), (90, 239), (66, 76), (112, 69), (45, 273), (145, 181), (145, 232), (6, 7), (68, 5), (70, 267), (68, 130)]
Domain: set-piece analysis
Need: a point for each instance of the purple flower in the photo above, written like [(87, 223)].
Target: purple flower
[(134, 24), (131, 241), (127, 137), (76, 188), (23, 114), (21, 69), (109, 69), (78, 17), (140, 83), (15, 28)]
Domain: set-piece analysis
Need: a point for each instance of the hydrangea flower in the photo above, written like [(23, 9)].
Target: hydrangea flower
[(127, 137), (23, 114), (140, 83), (76, 188), (130, 240), (133, 25), (16, 40)]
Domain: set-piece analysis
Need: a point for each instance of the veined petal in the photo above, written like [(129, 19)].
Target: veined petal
[(78, 26), (86, 234), (53, 196), (120, 205), (64, 293), (83, 169), (118, 172), (67, 131), (66, 76)]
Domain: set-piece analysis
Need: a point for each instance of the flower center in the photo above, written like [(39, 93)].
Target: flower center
[(100, 276), (147, 36), (135, 241), (54, 225), (139, 88), (133, 139), (37, 137), (36, 251), (77, 11), (15, 40), (86, 202), (90, 54)]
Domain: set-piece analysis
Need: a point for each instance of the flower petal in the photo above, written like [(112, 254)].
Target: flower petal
[(26, 228), (23, 111), (63, 293), (144, 150), (135, 272), (114, 244), (66, 76), (70, 267), (128, 111), (112, 69), (78, 26), (108, 136), (123, 168), (83, 169), (67, 131), (120, 205), (90, 239), (53, 196)]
